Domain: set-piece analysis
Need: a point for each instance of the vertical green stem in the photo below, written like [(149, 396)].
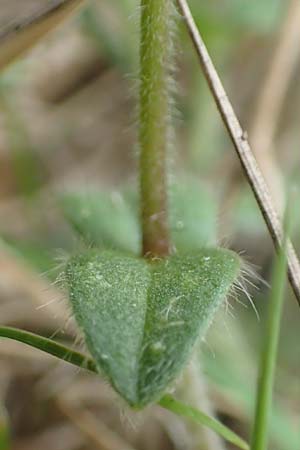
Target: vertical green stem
[(269, 352), (154, 123), (4, 429)]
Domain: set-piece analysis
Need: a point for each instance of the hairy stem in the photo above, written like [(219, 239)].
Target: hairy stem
[(154, 123)]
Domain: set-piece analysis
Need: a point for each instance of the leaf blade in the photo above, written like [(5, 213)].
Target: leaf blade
[(169, 403), (141, 318)]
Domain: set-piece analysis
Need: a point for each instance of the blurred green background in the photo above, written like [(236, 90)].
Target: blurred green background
[(68, 132)]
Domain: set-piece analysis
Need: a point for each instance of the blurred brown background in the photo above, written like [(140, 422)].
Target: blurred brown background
[(67, 122)]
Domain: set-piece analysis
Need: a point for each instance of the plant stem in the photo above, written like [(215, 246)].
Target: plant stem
[(154, 123), (269, 353)]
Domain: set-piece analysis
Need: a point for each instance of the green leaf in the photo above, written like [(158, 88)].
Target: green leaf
[(102, 219), (168, 402), (110, 220), (141, 319), (193, 216)]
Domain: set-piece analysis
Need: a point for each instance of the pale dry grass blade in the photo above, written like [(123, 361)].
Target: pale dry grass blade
[(95, 430), (243, 150), (270, 99), (22, 33)]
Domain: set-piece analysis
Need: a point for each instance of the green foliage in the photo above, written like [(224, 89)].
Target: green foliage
[(227, 19), (110, 220), (25, 160), (98, 29), (119, 300), (193, 216), (141, 319), (103, 219), (33, 253)]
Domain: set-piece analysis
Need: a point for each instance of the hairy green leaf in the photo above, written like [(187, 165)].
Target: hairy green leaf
[(141, 319)]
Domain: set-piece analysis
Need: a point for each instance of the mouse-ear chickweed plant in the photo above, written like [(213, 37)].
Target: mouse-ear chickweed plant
[(142, 315), (142, 294)]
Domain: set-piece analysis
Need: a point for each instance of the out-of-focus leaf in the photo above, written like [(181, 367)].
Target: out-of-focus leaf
[(226, 18), (103, 219), (25, 161), (193, 214), (111, 220), (118, 45), (34, 253), (245, 216)]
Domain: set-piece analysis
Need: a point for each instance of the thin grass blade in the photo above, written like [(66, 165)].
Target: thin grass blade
[(270, 350), (83, 361), (168, 402), (49, 346)]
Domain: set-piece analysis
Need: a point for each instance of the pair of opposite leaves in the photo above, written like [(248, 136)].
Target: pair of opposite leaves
[(141, 319)]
